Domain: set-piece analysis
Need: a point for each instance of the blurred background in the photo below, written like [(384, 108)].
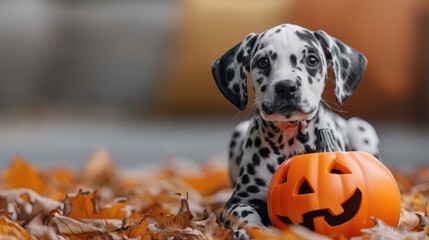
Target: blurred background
[(133, 76)]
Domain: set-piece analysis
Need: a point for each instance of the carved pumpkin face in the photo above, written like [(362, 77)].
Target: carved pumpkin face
[(333, 192)]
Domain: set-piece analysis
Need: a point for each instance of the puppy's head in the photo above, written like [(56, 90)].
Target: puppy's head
[(288, 69)]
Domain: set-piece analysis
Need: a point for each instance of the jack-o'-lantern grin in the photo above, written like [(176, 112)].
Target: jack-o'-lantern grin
[(351, 207)]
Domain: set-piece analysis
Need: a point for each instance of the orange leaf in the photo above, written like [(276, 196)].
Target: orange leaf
[(83, 205), (12, 229), (138, 229), (22, 175), (209, 182)]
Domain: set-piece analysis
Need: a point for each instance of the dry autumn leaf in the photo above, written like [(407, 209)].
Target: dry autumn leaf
[(22, 175), (11, 230), (145, 204), (84, 205)]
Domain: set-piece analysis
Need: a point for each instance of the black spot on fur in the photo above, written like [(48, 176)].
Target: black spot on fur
[(264, 152), (257, 142), (243, 194), (270, 134), (260, 182), (264, 88), (309, 149), (251, 169), (274, 148), (271, 168), (241, 171), (232, 144), (255, 159), (291, 141), (240, 56), (280, 139), (242, 73), (232, 201), (249, 143), (366, 141), (230, 74), (259, 80), (293, 60), (274, 56), (264, 123), (298, 81), (235, 134), (256, 126), (278, 30), (236, 88), (307, 37), (281, 159), (362, 129), (245, 213), (310, 80), (237, 187), (238, 160), (252, 189), (245, 179)]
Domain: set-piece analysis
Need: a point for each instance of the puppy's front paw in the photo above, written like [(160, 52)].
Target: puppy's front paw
[(241, 234)]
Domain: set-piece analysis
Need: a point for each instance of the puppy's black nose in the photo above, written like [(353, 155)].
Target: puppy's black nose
[(285, 89)]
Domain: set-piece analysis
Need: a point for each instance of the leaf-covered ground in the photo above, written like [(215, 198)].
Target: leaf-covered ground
[(178, 201)]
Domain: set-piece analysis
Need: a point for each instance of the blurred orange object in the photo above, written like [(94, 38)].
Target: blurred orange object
[(333, 192)]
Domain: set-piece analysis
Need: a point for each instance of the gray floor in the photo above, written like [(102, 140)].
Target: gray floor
[(140, 144)]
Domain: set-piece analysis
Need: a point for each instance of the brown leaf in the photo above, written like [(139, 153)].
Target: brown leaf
[(26, 204), (70, 226), (184, 216)]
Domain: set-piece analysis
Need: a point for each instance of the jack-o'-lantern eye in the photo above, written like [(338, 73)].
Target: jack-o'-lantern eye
[(305, 187), (339, 168)]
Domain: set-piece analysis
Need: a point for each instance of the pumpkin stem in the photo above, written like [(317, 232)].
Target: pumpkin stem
[(325, 141)]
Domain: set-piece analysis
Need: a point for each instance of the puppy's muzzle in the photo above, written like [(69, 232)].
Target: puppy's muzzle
[(285, 99), (285, 90)]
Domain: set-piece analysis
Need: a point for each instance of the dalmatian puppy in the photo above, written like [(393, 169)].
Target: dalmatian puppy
[(287, 66)]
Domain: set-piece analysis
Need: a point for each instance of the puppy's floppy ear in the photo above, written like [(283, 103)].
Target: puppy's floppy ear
[(230, 72), (348, 65)]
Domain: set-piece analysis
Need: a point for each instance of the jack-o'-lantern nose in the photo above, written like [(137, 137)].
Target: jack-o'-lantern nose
[(305, 188)]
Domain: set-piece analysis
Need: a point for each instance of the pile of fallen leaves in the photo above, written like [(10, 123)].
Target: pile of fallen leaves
[(179, 201)]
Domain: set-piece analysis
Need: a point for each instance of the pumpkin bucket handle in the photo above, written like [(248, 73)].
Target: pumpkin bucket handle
[(325, 141)]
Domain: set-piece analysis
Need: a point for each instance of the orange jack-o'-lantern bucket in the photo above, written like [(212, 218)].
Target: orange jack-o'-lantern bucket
[(333, 192)]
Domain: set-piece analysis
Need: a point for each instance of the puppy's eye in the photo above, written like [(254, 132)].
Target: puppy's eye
[(312, 61), (263, 62)]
